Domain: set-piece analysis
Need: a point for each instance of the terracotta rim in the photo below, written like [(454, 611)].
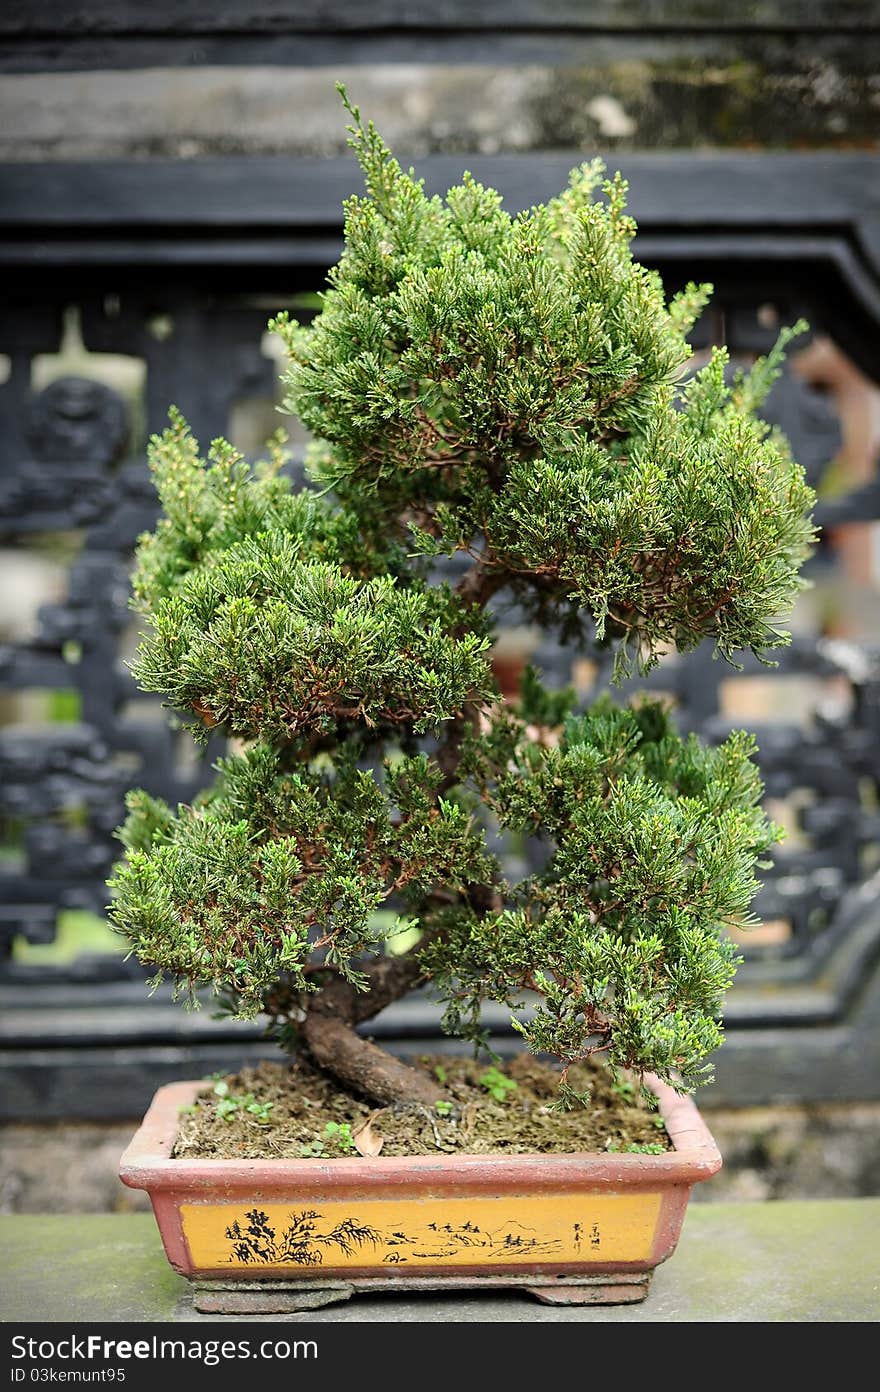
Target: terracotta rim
[(147, 1163)]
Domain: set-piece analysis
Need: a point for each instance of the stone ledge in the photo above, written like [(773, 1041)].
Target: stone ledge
[(802, 1261)]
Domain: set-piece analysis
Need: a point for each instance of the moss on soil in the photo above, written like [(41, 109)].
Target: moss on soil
[(304, 1101)]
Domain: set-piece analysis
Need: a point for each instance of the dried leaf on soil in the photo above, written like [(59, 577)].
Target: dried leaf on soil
[(367, 1142)]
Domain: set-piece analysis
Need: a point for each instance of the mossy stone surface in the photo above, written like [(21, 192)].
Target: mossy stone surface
[(794, 1262)]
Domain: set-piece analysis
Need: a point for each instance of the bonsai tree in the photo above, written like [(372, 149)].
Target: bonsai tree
[(505, 392)]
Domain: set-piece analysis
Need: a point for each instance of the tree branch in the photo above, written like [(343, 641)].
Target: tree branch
[(478, 584), (390, 979)]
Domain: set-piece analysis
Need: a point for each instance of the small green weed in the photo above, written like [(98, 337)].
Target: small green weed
[(336, 1137), (636, 1148), (230, 1104), (497, 1084)]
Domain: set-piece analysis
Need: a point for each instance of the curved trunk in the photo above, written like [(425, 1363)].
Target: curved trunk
[(336, 1008), (328, 1032), (336, 1046)]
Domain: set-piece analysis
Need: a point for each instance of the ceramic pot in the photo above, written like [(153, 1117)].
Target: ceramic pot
[(265, 1236)]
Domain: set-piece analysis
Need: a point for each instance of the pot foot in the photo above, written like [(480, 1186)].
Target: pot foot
[(252, 1300), (613, 1291)]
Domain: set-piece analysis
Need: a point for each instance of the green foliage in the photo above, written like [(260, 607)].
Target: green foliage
[(268, 634), (655, 840), (511, 388), (272, 648), (272, 866)]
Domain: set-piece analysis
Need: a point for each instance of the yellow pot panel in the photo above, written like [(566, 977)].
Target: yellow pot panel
[(389, 1233)]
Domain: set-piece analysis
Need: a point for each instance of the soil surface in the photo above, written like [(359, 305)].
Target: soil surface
[(294, 1110)]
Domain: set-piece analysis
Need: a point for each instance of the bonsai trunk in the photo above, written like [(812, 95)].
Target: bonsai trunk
[(332, 1013), (331, 1038)]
